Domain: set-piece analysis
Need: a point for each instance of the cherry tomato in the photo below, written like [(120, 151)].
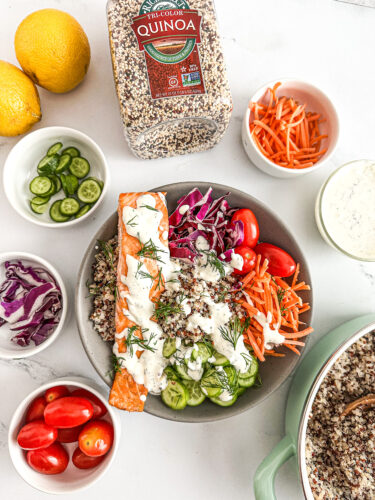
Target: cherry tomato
[(250, 226), (36, 435), (56, 392), (99, 408), (69, 435), (68, 412), (96, 438), (280, 262), (82, 461), (249, 259), (36, 409), (51, 460)]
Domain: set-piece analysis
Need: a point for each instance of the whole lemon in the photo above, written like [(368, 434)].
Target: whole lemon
[(53, 49), (19, 101)]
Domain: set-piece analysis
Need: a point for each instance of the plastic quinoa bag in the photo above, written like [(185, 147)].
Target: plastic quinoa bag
[(170, 75)]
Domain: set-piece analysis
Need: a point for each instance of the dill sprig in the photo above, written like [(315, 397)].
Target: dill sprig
[(108, 251), (234, 330), (214, 262), (163, 310), (146, 275), (131, 222), (149, 208), (116, 365), (151, 251), (280, 297), (221, 380), (132, 340)]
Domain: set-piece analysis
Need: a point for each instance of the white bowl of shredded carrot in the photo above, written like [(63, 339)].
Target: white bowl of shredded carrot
[(290, 128)]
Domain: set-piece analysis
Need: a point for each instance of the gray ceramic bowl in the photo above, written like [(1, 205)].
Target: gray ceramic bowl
[(273, 372)]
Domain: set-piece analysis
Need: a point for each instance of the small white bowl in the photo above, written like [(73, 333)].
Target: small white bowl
[(72, 479), (9, 349), (316, 101), (21, 167)]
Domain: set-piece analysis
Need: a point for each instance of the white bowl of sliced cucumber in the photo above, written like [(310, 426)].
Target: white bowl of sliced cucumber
[(55, 176)]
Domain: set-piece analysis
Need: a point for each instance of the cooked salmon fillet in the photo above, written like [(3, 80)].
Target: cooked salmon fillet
[(126, 393)]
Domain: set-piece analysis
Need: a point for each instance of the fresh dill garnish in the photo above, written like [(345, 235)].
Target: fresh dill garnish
[(149, 208), (163, 310), (146, 275), (132, 340), (214, 262), (173, 280), (151, 251), (234, 330), (221, 380), (131, 222), (116, 365), (108, 251), (280, 298), (249, 360)]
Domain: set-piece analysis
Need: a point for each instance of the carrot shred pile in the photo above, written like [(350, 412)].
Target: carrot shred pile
[(280, 304), (285, 133)]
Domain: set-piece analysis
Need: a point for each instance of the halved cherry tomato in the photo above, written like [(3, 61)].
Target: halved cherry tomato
[(96, 438), (68, 435), (280, 262), (59, 391), (99, 408), (250, 226), (68, 412), (82, 461), (36, 409), (249, 259), (36, 435), (51, 460)]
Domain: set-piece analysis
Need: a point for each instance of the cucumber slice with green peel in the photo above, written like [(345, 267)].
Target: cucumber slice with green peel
[(71, 184), (170, 373), (72, 151), (169, 347), (41, 185), (55, 148), (220, 359), (195, 393), (221, 402), (253, 368), (99, 181), (79, 167), (56, 214), (40, 200), (202, 351), (38, 209), (64, 162), (240, 391), (210, 383), (182, 371), (89, 191), (56, 181), (232, 375), (247, 382), (82, 211), (69, 206), (48, 164), (175, 395)]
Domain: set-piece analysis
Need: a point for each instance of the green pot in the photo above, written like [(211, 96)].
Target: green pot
[(306, 382)]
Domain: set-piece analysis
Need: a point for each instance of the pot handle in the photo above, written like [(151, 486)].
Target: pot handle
[(265, 474)]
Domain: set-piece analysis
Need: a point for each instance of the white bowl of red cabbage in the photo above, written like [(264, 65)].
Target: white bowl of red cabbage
[(33, 304)]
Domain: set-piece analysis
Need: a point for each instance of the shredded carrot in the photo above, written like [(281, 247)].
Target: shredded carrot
[(283, 127)]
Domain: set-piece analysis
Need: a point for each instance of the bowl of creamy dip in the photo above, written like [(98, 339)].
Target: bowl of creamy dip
[(345, 210)]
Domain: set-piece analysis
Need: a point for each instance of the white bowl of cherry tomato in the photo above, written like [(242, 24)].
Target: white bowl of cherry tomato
[(63, 436)]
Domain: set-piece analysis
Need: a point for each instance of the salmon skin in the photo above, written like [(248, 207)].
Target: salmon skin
[(126, 394)]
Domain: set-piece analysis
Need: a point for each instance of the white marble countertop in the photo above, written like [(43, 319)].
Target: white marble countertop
[(326, 42)]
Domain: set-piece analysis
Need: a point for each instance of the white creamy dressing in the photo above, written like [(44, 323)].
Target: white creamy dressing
[(271, 336), (348, 208), (183, 209), (183, 355)]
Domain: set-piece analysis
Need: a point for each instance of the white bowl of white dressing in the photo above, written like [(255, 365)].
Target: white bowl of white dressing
[(345, 210)]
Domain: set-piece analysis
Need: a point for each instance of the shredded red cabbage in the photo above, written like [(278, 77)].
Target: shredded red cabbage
[(30, 301), (199, 215)]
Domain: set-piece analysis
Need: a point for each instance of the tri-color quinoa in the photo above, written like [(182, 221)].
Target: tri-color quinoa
[(103, 289), (340, 451)]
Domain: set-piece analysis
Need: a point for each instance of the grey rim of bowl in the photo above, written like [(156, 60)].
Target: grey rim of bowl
[(321, 194), (318, 380), (292, 367)]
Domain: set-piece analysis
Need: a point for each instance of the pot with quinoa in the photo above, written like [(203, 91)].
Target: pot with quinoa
[(330, 419)]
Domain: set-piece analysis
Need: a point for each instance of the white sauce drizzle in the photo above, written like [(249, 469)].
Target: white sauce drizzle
[(271, 336)]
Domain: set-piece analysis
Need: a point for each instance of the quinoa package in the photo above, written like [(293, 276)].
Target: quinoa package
[(170, 75)]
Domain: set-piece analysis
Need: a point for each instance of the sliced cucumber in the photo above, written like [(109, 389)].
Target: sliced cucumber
[(41, 185), (220, 359), (79, 167), (252, 370), (64, 162), (170, 373), (221, 402), (195, 393), (56, 214), (48, 164), (175, 395), (169, 347), (210, 383), (71, 184), (99, 181), (203, 351), (240, 391), (82, 211), (69, 206), (40, 200), (182, 371), (37, 208), (232, 375), (56, 181), (89, 191), (55, 148), (247, 382), (72, 151)]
